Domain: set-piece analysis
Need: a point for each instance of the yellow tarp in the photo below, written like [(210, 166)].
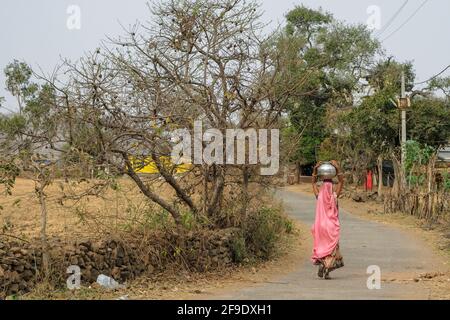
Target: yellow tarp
[(147, 165)]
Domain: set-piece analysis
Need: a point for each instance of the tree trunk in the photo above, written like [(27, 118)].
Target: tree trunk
[(380, 175), (430, 188), (245, 196), (396, 185), (217, 193), (148, 193), (168, 177), (43, 205), (298, 171), (205, 189)]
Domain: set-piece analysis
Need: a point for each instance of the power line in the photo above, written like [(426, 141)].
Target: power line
[(407, 20), (387, 25), (435, 76)]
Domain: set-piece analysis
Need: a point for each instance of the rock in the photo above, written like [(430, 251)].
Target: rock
[(19, 268), (372, 195), (359, 197), (125, 274), (94, 274), (13, 289), (15, 249), (23, 285), (96, 246), (12, 276), (85, 244), (99, 260), (13, 261), (115, 273), (27, 275), (120, 252), (81, 262), (112, 244), (73, 260)]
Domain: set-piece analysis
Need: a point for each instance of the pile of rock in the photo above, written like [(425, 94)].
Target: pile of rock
[(18, 265), (365, 196), (109, 257), (21, 263), (210, 251)]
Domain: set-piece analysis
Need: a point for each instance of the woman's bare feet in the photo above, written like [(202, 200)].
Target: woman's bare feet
[(320, 272)]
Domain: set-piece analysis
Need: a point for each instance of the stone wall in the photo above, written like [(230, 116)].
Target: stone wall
[(21, 263)]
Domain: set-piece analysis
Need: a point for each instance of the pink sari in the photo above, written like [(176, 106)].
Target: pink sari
[(326, 228)]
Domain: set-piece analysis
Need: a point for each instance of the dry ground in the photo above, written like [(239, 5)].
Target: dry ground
[(122, 208)]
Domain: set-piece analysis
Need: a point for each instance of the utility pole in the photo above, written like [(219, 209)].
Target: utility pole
[(403, 104), (403, 110)]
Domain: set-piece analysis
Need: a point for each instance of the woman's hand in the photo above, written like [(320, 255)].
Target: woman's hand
[(314, 179), (340, 175), (316, 167), (336, 165)]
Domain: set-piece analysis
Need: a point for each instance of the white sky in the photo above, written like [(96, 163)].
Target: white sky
[(36, 31)]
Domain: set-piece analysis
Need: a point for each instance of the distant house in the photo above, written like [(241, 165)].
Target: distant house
[(444, 154)]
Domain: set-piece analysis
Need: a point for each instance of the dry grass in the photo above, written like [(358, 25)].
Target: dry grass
[(72, 218)]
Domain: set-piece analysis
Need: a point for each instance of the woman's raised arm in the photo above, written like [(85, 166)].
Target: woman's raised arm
[(340, 176), (314, 179)]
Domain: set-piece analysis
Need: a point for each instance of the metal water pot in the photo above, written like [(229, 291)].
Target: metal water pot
[(326, 171)]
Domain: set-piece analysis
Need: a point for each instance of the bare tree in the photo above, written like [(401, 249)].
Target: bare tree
[(201, 59)]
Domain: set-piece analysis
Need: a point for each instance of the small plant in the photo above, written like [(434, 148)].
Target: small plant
[(8, 174), (446, 182), (416, 180), (239, 249), (160, 219), (289, 226), (188, 220)]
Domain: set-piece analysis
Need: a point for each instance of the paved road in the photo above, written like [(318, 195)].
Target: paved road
[(364, 243)]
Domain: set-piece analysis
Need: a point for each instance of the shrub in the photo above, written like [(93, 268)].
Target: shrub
[(239, 248), (263, 231)]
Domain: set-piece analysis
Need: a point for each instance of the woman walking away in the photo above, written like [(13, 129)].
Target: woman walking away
[(326, 228)]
